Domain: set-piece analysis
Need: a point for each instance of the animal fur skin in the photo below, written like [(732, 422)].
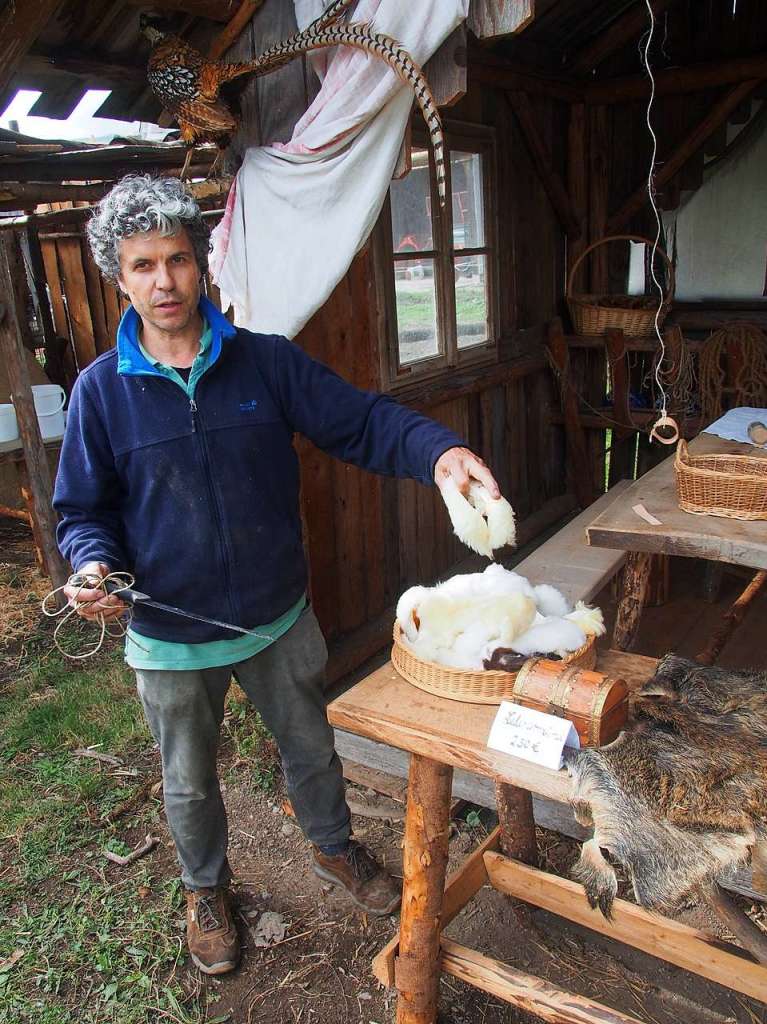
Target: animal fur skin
[(480, 522), (679, 797)]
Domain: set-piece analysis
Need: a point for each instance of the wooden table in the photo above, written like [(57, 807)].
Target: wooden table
[(441, 735), (680, 533)]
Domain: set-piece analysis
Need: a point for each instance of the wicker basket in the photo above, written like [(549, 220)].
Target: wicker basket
[(632, 314), (734, 486), (469, 685)]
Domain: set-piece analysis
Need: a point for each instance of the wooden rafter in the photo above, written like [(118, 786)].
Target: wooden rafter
[(231, 33), (622, 31), (693, 78), (541, 156), (215, 10), (687, 148), (489, 19), (107, 72), (491, 70), (20, 25)]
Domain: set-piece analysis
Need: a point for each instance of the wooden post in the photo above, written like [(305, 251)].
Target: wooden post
[(13, 353), (633, 593), (732, 618), (624, 437), (427, 825), (742, 927), (579, 468), (516, 822)]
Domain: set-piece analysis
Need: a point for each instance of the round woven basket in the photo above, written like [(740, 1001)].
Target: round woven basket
[(472, 686), (733, 486), (632, 314)]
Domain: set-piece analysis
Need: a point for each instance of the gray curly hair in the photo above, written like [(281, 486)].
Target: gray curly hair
[(140, 203)]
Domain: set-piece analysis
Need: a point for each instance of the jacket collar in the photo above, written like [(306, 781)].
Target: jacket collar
[(130, 359)]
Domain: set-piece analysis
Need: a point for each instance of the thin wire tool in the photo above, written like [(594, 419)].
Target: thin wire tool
[(121, 585)]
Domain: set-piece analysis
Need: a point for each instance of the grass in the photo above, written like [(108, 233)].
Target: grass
[(417, 308), (80, 940)]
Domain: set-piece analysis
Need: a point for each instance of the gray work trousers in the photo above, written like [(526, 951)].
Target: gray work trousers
[(185, 710)]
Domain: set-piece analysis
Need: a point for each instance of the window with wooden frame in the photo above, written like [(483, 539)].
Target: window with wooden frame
[(440, 263)]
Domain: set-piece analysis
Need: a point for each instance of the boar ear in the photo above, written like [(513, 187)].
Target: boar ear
[(672, 668)]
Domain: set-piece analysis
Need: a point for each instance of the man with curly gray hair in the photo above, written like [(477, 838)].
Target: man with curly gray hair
[(178, 466)]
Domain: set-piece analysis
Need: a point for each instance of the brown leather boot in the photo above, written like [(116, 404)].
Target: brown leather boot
[(369, 885), (210, 931)]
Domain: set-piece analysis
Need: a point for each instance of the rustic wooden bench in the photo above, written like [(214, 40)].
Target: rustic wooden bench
[(441, 736)]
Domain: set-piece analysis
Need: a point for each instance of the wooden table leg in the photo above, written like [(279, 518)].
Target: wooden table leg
[(427, 832), (516, 822), (633, 592)]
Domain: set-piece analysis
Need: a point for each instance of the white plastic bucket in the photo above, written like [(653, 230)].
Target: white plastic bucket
[(9, 427), (49, 406)]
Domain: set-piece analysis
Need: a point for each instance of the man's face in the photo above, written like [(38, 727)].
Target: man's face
[(160, 276)]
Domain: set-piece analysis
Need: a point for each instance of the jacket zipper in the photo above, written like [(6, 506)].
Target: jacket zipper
[(218, 516)]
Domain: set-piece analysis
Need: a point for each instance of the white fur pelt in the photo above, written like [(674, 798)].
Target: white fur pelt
[(480, 522), (464, 620)]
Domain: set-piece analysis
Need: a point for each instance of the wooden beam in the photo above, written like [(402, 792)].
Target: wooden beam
[(599, 185), (214, 10), (105, 71), (489, 69), (695, 78), (622, 31), (578, 187), (534, 995), (446, 69), (541, 156), (687, 148), (20, 25), (659, 936), (489, 19), (14, 356), (229, 36), (19, 196)]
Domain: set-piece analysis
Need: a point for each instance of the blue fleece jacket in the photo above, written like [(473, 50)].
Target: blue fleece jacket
[(199, 498)]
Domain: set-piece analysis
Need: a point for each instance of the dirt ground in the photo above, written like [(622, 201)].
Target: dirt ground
[(316, 968)]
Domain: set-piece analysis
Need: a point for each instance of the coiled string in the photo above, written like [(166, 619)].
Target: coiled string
[(664, 421), (113, 628)]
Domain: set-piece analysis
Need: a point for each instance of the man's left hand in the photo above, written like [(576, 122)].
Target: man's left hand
[(463, 466)]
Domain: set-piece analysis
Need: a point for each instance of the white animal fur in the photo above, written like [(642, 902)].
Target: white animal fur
[(480, 522), (590, 620), (551, 601), (551, 636)]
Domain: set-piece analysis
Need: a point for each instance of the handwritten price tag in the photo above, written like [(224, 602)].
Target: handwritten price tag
[(532, 735)]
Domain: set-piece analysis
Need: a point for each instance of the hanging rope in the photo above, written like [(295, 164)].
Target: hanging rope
[(664, 422), (113, 628)]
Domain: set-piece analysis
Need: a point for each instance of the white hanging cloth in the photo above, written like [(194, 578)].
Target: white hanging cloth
[(298, 212)]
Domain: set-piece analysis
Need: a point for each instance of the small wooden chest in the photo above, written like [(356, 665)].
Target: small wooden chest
[(596, 704)]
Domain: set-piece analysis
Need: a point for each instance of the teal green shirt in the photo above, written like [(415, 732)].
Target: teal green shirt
[(144, 652)]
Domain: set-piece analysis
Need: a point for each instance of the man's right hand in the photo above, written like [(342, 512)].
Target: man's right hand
[(92, 602)]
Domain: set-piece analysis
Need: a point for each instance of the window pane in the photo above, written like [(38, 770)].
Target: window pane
[(472, 302), (468, 206), (416, 310), (411, 229)]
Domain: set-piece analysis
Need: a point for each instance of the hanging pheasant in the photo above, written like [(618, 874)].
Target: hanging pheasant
[(200, 95)]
